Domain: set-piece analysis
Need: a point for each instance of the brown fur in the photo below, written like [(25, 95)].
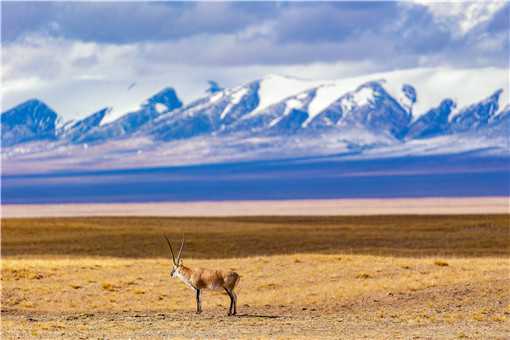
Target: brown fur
[(200, 278)]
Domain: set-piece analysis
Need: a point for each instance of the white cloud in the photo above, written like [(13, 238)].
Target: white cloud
[(25, 85), (77, 77), (85, 77), (462, 16)]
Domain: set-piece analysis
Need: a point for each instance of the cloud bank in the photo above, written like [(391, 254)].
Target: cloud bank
[(74, 55)]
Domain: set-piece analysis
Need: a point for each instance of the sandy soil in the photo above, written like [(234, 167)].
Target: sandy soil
[(334, 207)]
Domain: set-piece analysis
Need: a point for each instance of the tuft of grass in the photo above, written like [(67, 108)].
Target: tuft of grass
[(441, 263), (109, 287), (499, 318), (479, 317), (36, 276), (363, 276), (21, 274)]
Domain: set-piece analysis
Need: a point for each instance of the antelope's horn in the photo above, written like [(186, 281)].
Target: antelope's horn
[(180, 250), (171, 250)]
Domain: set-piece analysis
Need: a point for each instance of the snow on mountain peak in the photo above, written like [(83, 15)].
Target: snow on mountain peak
[(160, 108), (364, 96), (275, 88), (236, 97), (433, 85), (366, 111), (163, 101)]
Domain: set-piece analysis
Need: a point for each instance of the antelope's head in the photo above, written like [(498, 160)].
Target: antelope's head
[(177, 262)]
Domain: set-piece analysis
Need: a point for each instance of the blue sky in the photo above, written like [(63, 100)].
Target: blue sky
[(76, 56)]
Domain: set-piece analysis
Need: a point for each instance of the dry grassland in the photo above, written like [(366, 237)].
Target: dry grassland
[(376, 277)]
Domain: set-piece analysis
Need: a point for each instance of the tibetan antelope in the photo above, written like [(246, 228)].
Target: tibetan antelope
[(200, 279)]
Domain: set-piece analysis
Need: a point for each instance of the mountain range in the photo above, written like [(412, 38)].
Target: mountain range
[(396, 113)]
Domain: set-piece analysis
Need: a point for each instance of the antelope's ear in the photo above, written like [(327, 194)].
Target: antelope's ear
[(180, 262)]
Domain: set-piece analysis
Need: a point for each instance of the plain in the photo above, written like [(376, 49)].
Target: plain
[(302, 277)]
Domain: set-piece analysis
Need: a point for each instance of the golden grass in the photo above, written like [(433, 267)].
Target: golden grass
[(88, 284), (398, 276)]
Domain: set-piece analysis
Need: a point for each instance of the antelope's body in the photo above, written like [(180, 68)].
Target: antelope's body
[(199, 279)]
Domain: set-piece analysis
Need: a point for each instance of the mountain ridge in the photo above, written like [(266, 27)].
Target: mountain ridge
[(272, 116)]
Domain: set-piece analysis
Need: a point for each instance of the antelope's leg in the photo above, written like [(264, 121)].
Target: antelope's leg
[(234, 295), (199, 304), (230, 309)]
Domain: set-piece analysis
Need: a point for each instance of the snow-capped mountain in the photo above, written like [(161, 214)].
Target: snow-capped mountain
[(236, 110), (477, 115), (369, 106), (433, 123), (164, 101), (278, 116), (74, 131), (32, 120), (206, 115)]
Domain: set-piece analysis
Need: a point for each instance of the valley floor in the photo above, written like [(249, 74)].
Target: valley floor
[(382, 277)]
